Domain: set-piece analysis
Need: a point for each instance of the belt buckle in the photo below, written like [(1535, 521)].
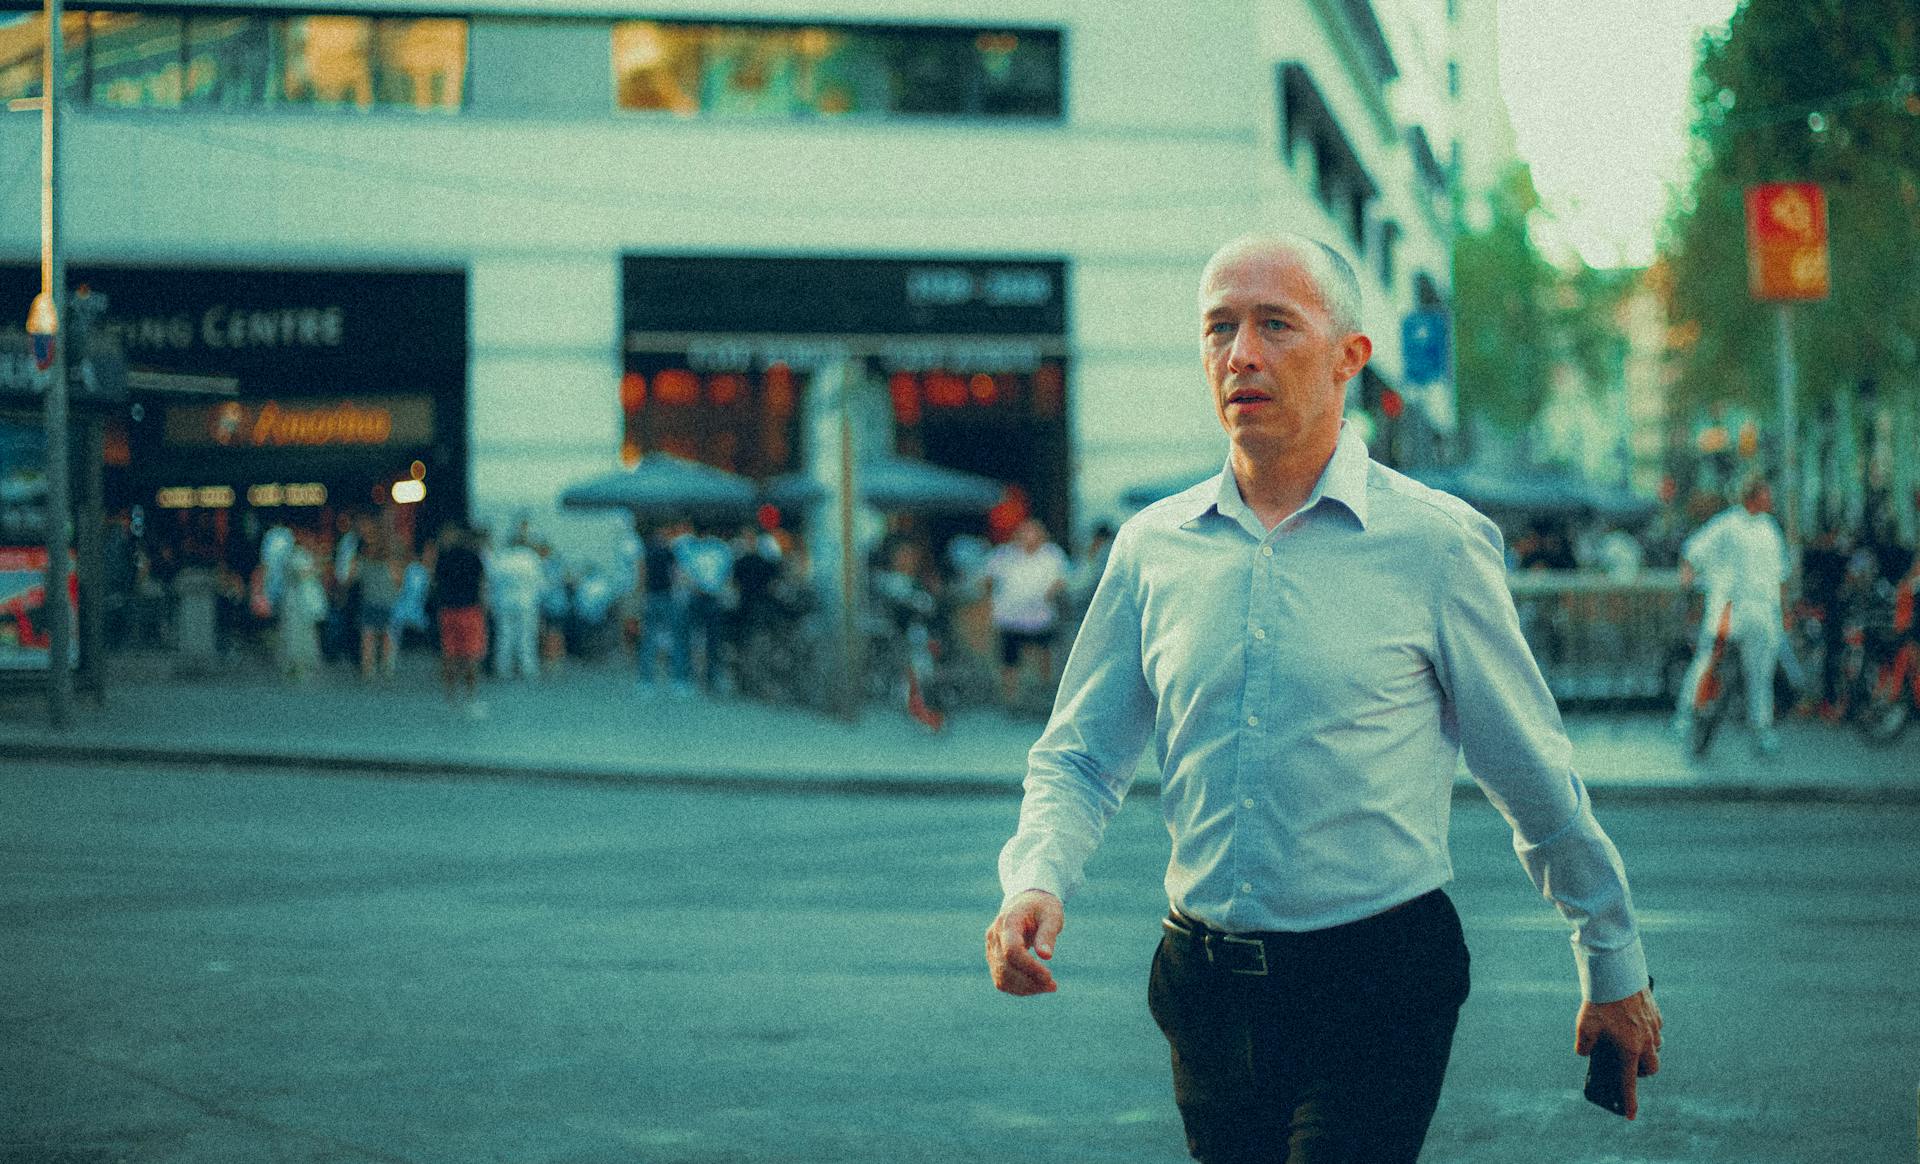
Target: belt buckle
[(1259, 970)]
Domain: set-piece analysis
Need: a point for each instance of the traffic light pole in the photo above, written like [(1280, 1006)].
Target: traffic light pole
[(1789, 442), (53, 285)]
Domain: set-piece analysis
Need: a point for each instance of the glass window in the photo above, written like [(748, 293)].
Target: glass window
[(421, 64), (742, 70), (657, 66), (22, 36), (932, 73), (135, 59), (327, 61), (1020, 74), (229, 61)]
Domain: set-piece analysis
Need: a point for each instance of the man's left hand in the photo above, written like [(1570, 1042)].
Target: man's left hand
[(1633, 1025)]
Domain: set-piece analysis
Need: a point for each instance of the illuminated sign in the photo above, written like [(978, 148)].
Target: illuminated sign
[(1787, 241), (366, 421), (268, 496)]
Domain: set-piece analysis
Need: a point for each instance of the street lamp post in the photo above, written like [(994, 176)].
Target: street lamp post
[(50, 310)]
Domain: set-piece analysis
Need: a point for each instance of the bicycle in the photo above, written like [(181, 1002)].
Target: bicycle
[(1714, 694), (1895, 694)]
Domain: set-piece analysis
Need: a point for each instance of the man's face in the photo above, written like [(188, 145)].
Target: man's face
[(1760, 500), (1277, 365)]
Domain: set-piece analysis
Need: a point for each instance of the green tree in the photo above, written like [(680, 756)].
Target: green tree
[(1809, 91), (1502, 296), (1517, 316)]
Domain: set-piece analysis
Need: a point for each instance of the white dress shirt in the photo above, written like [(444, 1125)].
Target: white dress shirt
[(1309, 692)]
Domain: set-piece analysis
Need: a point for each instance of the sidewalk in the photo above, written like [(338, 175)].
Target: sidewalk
[(591, 722)]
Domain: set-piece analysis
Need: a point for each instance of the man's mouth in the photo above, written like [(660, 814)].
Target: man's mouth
[(1248, 396)]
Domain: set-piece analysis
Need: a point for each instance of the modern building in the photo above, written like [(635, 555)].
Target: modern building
[(495, 247)]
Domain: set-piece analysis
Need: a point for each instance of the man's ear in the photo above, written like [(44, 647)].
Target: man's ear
[(1355, 351)]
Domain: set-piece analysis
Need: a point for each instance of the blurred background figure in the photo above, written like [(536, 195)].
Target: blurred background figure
[(515, 575), (303, 610), (1025, 579), (379, 572)]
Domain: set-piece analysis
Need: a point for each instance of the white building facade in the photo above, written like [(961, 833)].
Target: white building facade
[(500, 246)]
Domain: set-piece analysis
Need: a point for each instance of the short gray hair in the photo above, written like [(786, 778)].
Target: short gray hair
[(1330, 271)]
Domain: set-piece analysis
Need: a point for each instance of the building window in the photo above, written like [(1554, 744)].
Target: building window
[(1453, 79), (227, 60), (806, 71), (1389, 240), (22, 37), (1340, 183)]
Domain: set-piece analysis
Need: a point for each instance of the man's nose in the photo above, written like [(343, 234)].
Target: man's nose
[(1244, 355)]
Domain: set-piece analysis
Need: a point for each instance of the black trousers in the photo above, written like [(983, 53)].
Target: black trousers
[(1334, 1056)]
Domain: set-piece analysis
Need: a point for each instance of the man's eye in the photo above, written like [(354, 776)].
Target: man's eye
[(1219, 327), (1274, 324)]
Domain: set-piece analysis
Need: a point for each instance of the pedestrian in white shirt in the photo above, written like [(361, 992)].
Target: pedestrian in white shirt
[(515, 574), (1740, 559), (1025, 579), (1313, 642)]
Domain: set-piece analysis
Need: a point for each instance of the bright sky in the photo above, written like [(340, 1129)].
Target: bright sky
[(1601, 101)]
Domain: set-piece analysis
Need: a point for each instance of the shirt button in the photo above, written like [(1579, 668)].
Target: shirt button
[(1247, 803), (1253, 721), (1266, 551), (1246, 887), (1260, 632)]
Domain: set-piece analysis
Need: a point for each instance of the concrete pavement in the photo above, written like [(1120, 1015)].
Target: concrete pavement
[(592, 722)]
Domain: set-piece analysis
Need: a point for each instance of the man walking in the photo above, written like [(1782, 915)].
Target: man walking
[(1025, 579), (1741, 558), (1312, 641)]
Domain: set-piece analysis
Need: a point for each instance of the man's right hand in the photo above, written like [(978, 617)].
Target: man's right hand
[(1027, 926)]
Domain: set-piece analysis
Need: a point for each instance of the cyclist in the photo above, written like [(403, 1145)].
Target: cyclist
[(1740, 558)]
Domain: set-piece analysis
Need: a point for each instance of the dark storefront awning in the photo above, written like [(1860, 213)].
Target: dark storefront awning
[(1538, 493), (663, 485), (899, 485)]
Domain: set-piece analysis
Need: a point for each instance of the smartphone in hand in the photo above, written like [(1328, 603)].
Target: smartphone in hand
[(1605, 1077)]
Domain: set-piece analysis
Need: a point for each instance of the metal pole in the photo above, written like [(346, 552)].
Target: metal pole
[(53, 284), (853, 693), (1789, 440)]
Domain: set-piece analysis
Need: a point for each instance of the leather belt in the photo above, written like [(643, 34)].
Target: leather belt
[(1230, 952), (1249, 953)]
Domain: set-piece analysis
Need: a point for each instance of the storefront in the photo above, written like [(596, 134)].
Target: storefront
[(263, 397), (970, 355)]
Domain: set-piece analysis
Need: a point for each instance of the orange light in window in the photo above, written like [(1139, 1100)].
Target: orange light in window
[(677, 386), (1048, 390), (629, 452), (946, 390), (779, 384), (905, 390), (726, 389), (633, 392), (983, 389)]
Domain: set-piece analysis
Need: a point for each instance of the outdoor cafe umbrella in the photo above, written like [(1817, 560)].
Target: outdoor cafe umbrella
[(898, 485), (663, 485)]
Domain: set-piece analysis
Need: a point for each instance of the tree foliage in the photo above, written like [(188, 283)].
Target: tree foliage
[(1501, 289), (1804, 91), (1518, 317)]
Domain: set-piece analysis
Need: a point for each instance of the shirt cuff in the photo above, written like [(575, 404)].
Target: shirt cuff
[(1611, 975)]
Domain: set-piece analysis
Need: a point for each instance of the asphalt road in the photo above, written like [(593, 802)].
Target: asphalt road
[(262, 967)]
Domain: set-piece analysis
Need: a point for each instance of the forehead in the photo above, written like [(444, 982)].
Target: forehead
[(1272, 276)]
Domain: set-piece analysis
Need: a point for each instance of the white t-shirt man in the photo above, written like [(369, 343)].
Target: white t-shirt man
[(1024, 582), (1740, 558)]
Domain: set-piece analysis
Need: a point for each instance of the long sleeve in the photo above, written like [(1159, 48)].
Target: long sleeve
[(1079, 771), (1517, 750)]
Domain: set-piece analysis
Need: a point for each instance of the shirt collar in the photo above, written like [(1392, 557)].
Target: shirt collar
[(1344, 480)]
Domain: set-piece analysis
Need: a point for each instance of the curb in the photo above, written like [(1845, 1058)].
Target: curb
[(981, 783)]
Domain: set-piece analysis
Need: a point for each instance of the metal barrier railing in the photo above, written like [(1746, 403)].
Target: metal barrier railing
[(1606, 640)]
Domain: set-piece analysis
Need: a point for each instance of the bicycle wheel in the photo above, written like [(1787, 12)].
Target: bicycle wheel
[(1711, 706)]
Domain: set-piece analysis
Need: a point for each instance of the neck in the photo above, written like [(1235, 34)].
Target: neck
[(1276, 484)]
